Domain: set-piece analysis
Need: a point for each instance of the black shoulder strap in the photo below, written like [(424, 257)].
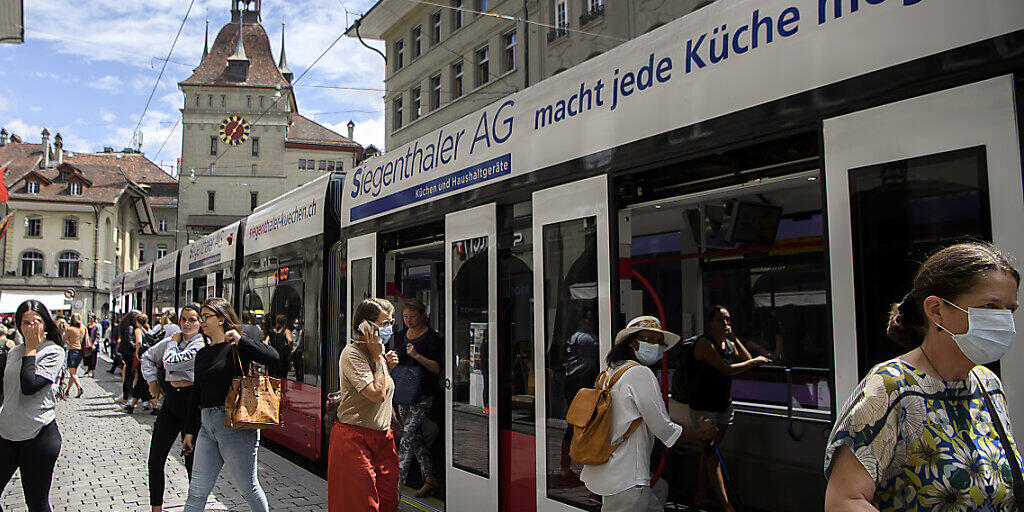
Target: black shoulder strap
[(1018, 481)]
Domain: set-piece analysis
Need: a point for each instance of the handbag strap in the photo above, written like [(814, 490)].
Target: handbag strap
[(1018, 481), (234, 350)]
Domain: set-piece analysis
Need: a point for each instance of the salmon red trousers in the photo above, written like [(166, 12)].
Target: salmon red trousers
[(362, 470)]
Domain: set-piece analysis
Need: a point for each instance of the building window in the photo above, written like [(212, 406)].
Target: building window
[(75, 188), (302, 164), (261, 102), (213, 145), (323, 165), (338, 166), (31, 263), (417, 41), (509, 55), (483, 62), (435, 92), (254, 169), (68, 264), (253, 200), (399, 54), (397, 113), (223, 100), (255, 146), (209, 100), (457, 80), (416, 104), (142, 253), (248, 102), (456, 15), (34, 227), (435, 27), (32, 187), (561, 20), (595, 10), (163, 225), (161, 250), (70, 227), (198, 99), (211, 200)]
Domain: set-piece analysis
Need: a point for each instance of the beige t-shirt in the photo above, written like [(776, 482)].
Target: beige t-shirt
[(356, 373)]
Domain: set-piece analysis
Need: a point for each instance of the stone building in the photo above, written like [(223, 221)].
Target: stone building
[(446, 62), (78, 221), (244, 141)]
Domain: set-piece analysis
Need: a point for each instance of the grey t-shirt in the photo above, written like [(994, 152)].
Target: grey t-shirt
[(21, 416)]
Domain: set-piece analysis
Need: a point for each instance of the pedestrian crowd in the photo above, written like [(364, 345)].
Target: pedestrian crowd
[(913, 424)]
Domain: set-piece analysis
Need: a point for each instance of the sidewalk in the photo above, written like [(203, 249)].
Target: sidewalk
[(103, 463)]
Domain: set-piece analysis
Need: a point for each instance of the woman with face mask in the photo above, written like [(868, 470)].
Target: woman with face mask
[(719, 356), (929, 430), (624, 482)]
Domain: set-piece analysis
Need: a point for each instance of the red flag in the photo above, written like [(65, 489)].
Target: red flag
[(3, 187), (4, 223)]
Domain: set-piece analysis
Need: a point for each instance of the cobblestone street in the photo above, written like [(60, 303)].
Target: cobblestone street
[(103, 463)]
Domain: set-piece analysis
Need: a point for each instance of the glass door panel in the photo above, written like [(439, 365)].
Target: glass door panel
[(573, 331), (946, 168), (471, 360), (362, 258)]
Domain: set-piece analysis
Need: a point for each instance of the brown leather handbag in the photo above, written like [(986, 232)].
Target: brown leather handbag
[(254, 400)]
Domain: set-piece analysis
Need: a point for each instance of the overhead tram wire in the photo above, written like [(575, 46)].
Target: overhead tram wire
[(167, 138), (162, 68), (515, 19)]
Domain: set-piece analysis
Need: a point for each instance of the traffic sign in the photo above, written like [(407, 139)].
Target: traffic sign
[(69, 293)]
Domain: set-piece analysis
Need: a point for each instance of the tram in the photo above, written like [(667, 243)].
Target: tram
[(795, 170)]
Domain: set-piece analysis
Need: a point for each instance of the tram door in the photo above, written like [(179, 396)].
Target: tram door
[(946, 168), (471, 366), (362, 267), (572, 326)]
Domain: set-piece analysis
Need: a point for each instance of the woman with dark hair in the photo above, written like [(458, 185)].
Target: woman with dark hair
[(638, 415), (126, 348), (280, 337), (176, 355), (718, 356), (139, 388), (929, 430), (216, 445), (91, 348), (74, 340), (362, 467), (29, 438)]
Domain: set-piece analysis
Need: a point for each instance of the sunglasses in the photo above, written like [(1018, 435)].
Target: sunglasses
[(207, 316)]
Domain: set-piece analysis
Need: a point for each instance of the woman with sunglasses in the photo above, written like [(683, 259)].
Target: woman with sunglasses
[(929, 430), (29, 438), (176, 355), (215, 445)]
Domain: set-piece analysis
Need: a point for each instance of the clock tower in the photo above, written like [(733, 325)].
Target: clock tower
[(244, 141)]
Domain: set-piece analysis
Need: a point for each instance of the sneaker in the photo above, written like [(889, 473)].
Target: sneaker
[(129, 409)]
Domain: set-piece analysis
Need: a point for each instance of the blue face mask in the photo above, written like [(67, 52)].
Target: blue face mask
[(649, 353), (385, 334)]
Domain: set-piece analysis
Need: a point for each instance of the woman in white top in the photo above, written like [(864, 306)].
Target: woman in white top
[(624, 482)]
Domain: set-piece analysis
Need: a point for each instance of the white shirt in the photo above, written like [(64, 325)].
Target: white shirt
[(178, 359), (23, 416), (635, 395)]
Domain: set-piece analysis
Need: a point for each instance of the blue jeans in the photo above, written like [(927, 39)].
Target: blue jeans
[(216, 446)]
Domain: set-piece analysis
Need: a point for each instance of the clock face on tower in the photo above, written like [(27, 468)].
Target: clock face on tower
[(234, 130)]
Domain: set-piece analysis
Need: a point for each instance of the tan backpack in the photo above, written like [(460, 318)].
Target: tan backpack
[(590, 415)]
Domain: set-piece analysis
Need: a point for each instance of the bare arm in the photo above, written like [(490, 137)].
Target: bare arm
[(850, 487), (705, 352), (377, 390), (742, 349)]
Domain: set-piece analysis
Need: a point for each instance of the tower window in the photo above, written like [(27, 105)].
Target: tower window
[(211, 200), (255, 146), (213, 146), (209, 101), (223, 100), (253, 200)]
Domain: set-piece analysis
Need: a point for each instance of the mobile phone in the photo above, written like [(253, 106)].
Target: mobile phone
[(366, 325)]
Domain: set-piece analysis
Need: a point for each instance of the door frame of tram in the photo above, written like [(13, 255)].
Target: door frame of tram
[(360, 248), (978, 114)]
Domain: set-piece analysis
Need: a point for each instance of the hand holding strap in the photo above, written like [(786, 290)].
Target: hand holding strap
[(1018, 481)]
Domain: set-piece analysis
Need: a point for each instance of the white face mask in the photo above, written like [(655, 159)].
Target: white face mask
[(649, 353), (989, 334)]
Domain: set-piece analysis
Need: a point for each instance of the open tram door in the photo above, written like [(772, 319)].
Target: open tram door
[(471, 362), (362, 272), (903, 180), (572, 326)]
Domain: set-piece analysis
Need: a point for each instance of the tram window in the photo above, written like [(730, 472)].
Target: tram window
[(932, 201), (362, 280), (470, 407), (571, 351), (515, 321), (276, 291)]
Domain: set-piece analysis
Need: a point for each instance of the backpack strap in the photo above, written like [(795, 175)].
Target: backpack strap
[(636, 423), (618, 375)]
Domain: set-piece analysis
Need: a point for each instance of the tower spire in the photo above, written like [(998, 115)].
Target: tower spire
[(206, 42), (283, 64), (238, 63)]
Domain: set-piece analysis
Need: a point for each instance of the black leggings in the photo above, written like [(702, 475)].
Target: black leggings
[(169, 424), (36, 458)]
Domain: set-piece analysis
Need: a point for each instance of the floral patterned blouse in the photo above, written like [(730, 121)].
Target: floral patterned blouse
[(929, 445)]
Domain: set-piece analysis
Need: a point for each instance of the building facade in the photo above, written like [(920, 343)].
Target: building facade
[(244, 141), (78, 221), (446, 62)]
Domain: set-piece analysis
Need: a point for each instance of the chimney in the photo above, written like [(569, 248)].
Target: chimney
[(351, 130), (3, 137), (58, 148), (45, 162)]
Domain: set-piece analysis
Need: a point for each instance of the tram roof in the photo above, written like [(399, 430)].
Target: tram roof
[(213, 249), (165, 268), (139, 278)]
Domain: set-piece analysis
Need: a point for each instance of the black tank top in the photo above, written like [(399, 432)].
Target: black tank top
[(711, 390)]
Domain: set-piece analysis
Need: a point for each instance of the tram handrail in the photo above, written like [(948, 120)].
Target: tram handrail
[(789, 371)]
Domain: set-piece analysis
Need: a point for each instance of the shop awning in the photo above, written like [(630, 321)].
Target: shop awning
[(11, 299)]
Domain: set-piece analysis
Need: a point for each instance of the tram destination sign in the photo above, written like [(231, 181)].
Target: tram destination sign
[(297, 215), (215, 248), (164, 268), (728, 56)]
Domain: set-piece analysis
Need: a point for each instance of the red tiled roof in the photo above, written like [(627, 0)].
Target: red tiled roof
[(304, 130), (263, 71)]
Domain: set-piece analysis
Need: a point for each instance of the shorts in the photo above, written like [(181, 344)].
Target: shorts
[(717, 417), (74, 358)]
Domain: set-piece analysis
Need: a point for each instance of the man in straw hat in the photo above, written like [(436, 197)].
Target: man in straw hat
[(624, 482)]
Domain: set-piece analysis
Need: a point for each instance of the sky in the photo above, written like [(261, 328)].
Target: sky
[(87, 68)]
